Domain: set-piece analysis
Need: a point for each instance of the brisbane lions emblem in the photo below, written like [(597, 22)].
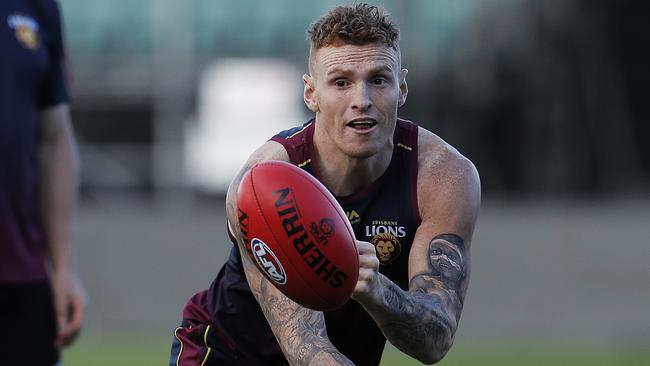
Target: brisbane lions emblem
[(387, 246), (26, 30)]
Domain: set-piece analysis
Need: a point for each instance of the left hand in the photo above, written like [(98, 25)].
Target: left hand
[(368, 286), (70, 304)]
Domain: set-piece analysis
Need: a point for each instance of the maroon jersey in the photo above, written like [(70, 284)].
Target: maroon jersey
[(385, 214)]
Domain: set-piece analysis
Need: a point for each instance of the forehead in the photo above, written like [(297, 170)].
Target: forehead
[(443, 244), (350, 58)]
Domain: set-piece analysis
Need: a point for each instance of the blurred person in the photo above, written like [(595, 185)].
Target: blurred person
[(41, 301), (384, 171)]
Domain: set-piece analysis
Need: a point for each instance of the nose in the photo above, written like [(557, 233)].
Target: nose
[(361, 100)]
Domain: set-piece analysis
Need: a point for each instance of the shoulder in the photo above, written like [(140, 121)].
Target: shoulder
[(436, 156), (271, 150), (48, 13), (445, 176), (50, 10), (291, 133)]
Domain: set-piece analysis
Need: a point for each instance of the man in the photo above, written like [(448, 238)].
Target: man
[(41, 301), (412, 200)]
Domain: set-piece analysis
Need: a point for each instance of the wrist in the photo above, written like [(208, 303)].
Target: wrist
[(374, 299), (58, 256), (59, 271)]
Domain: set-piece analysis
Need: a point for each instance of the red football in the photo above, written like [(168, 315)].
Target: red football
[(298, 235)]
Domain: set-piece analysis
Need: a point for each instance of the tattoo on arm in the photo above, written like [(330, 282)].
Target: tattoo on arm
[(449, 268), (301, 332), (428, 314)]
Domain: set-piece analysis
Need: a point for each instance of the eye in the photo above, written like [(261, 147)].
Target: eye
[(340, 83), (436, 251), (379, 81)]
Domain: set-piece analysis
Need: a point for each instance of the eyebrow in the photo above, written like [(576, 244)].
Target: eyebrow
[(338, 70)]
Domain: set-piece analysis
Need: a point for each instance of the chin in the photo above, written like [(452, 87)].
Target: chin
[(361, 148), (360, 152)]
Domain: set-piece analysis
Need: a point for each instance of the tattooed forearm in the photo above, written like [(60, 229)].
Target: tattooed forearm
[(300, 332), (422, 322)]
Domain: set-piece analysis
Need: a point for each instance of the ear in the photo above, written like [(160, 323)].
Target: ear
[(308, 93), (403, 87)]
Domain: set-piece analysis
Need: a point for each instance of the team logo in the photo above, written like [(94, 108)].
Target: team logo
[(387, 246), (268, 262), (323, 230), (385, 236), (26, 30)]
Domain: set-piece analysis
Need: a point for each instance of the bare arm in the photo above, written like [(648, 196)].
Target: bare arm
[(58, 174), (300, 331), (422, 321)]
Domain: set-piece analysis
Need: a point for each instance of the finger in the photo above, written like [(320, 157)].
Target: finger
[(363, 247), (360, 288), (76, 313), (368, 256), (369, 262), (67, 339), (66, 332), (366, 274)]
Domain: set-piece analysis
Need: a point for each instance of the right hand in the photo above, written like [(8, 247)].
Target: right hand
[(368, 286)]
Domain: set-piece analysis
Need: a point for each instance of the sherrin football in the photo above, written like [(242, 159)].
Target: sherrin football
[(298, 235)]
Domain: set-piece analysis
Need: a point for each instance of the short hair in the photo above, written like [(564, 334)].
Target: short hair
[(357, 24)]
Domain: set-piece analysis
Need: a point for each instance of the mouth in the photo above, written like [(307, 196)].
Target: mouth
[(362, 123)]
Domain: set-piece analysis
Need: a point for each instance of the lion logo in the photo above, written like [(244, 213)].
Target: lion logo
[(387, 246)]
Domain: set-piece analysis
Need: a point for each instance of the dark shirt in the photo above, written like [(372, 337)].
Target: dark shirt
[(385, 214), (31, 78)]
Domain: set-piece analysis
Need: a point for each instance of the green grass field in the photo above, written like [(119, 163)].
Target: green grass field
[(146, 350)]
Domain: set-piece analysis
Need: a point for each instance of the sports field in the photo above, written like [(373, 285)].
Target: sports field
[(143, 350)]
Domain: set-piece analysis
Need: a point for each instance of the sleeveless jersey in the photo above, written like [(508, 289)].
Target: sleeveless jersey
[(385, 214)]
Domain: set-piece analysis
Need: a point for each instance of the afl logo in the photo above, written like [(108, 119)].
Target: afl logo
[(268, 262)]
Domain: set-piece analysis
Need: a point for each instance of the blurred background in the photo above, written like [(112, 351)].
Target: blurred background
[(547, 97)]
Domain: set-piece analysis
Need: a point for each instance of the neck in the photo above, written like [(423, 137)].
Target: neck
[(345, 175)]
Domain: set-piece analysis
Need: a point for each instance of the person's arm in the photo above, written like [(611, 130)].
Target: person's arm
[(58, 187), (422, 321), (300, 331)]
